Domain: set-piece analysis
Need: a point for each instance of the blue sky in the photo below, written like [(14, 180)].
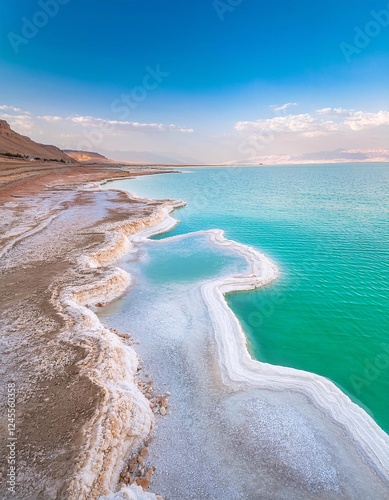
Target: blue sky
[(226, 70)]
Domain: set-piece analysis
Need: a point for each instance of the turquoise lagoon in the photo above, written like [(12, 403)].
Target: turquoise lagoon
[(327, 228)]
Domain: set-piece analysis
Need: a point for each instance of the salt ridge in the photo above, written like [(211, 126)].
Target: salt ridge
[(124, 420), (239, 369)]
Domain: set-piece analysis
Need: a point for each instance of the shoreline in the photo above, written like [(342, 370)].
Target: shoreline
[(241, 372), (106, 451), (239, 369), (117, 421), (372, 442), (78, 303)]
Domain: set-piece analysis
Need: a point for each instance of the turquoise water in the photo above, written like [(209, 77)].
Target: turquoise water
[(327, 228), (188, 260)]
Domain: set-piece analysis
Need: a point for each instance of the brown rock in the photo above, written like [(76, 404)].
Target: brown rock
[(142, 482), (144, 452), (149, 473), (122, 335), (133, 468), (162, 400)]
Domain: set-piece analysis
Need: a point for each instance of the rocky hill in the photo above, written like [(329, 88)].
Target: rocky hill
[(86, 156), (14, 145)]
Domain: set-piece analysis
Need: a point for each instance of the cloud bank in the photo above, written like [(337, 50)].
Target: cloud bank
[(319, 123), (24, 119), (283, 137)]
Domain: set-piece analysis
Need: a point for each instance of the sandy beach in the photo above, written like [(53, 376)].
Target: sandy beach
[(85, 410)]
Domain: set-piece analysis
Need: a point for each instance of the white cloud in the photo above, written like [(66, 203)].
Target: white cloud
[(5, 107), (334, 111), (50, 119), (24, 119), (22, 123), (287, 132), (18, 118), (322, 122), (182, 130), (290, 123), (94, 122), (283, 107), (360, 120)]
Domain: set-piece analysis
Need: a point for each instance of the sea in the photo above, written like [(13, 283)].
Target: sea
[(327, 229)]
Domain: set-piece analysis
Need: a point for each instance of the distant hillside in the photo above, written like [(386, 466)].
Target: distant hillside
[(86, 155), (15, 145), (130, 157), (334, 156)]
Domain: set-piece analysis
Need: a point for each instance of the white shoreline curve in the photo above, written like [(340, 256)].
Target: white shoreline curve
[(124, 419), (240, 370)]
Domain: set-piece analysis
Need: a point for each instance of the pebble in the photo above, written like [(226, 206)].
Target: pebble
[(133, 468), (149, 473), (143, 483)]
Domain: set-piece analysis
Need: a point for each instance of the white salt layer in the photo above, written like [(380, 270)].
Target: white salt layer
[(239, 428)]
